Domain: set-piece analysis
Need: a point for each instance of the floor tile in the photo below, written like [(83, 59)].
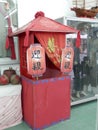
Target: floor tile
[(83, 117)]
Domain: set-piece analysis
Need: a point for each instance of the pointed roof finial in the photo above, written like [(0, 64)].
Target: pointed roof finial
[(40, 13)]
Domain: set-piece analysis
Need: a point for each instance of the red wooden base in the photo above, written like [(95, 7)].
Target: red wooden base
[(46, 101)]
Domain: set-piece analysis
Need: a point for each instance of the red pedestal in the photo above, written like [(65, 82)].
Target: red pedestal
[(46, 102)]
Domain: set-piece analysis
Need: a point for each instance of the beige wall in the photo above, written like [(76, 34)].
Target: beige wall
[(52, 9)]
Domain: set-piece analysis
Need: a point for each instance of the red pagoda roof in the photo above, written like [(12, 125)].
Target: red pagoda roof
[(44, 24)]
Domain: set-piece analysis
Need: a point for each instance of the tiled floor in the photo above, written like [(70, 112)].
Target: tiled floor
[(83, 117)]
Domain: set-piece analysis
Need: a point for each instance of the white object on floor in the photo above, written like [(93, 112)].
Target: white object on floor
[(78, 94), (89, 88), (82, 92), (72, 98), (10, 106)]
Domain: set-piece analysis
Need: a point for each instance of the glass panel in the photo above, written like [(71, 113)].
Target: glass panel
[(8, 8), (85, 70), (3, 33)]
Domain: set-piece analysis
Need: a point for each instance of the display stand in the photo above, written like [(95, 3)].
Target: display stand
[(46, 102)]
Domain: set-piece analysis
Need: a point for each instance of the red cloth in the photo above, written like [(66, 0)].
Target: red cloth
[(53, 44), (78, 40), (10, 43), (7, 45), (46, 101)]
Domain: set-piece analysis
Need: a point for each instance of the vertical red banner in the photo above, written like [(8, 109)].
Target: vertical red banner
[(36, 64), (67, 60)]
